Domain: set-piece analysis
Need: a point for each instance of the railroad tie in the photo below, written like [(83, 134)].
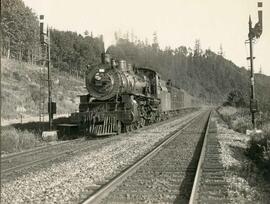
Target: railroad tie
[(213, 187)]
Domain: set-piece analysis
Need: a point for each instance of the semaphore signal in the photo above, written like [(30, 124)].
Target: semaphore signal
[(45, 42), (254, 32)]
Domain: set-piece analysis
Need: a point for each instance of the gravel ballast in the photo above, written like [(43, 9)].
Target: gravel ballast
[(72, 181)]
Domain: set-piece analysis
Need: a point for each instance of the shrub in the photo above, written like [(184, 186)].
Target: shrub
[(13, 140), (235, 98), (256, 147), (35, 93), (241, 124), (259, 151), (17, 76)]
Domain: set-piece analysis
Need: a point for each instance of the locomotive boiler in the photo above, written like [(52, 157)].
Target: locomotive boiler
[(109, 80)]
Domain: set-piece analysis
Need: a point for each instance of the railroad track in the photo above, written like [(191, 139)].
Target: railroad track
[(34, 150), (24, 160), (164, 175), (19, 161), (209, 184)]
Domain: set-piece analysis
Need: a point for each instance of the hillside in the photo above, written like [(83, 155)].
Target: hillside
[(21, 90), (263, 90), (203, 74)]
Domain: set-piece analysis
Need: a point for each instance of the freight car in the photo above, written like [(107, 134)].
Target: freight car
[(122, 97)]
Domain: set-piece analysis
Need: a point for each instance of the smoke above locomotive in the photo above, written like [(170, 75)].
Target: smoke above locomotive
[(112, 78)]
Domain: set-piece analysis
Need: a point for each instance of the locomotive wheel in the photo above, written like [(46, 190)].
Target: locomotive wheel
[(119, 127), (127, 128), (142, 122), (135, 126), (130, 128), (147, 122)]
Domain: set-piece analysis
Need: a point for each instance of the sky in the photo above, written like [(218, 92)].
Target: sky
[(177, 23)]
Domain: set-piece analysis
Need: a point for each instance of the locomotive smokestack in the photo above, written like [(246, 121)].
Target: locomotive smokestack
[(105, 58)]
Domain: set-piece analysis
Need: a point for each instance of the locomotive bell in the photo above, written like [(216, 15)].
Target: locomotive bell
[(129, 67)]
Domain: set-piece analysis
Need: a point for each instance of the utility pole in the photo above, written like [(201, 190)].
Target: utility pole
[(253, 33)]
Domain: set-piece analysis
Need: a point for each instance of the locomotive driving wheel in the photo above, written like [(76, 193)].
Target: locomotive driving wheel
[(131, 127), (119, 127), (135, 125), (142, 122), (128, 128)]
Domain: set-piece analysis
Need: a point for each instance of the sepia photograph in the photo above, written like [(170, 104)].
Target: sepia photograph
[(124, 101)]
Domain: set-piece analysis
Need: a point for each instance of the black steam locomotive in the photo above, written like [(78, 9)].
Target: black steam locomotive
[(122, 97)]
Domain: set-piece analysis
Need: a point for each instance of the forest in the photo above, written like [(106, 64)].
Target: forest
[(20, 40), (203, 73)]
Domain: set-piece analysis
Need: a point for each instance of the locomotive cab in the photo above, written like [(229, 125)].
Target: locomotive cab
[(153, 78)]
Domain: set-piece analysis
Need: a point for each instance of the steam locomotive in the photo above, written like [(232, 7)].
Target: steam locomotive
[(122, 97)]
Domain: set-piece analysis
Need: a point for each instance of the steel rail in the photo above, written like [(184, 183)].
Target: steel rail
[(8, 171), (104, 190), (196, 182), (36, 150)]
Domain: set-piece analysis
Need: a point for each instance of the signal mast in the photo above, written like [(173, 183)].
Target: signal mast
[(254, 32), (45, 42)]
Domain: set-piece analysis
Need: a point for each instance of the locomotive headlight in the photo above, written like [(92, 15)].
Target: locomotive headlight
[(101, 70)]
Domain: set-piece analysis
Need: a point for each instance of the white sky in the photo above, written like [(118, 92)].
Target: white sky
[(177, 22)]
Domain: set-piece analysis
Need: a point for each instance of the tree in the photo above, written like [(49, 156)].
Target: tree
[(182, 50), (221, 52), (155, 44), (197, 48), (20, 31), (235, 98), (72, 52), (86, 33)]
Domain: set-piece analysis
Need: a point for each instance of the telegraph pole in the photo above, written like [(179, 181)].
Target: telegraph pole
[(253, 33)]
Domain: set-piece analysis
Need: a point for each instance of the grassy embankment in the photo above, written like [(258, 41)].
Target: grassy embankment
[(21, 96), (245, 158), (258, 149)]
